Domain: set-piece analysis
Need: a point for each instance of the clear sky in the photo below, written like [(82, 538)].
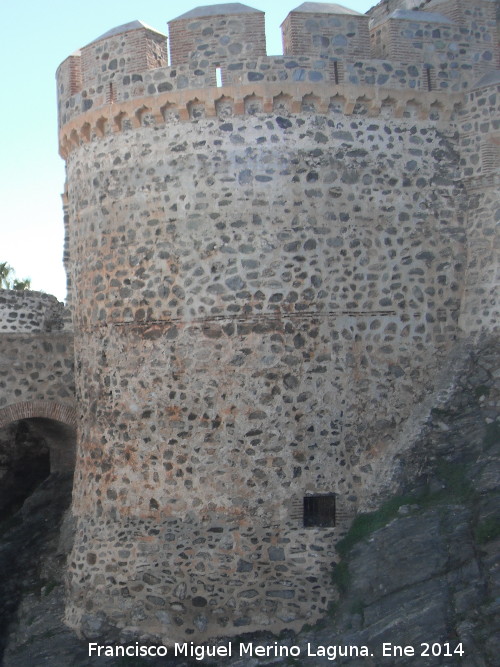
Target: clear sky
[(36, 36)]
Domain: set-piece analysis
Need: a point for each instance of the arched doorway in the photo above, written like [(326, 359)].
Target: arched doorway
[(36, 439)]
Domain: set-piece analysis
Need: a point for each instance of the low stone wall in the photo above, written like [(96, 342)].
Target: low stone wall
[(26, 311)]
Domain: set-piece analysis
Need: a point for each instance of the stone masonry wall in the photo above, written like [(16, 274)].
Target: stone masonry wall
[(208, 35), (24, 311), (131, 50), (36, 349), (166, 91), (417, 35), (466, 39), (267, 279), (326, 35), (480, 157), (279, 280)]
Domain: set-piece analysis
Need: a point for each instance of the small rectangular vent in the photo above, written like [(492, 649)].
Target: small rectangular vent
[(490, 155), (110, 93), (429, 77), (336, 69), (319, 511)]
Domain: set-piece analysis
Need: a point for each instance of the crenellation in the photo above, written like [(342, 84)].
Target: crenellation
[(477, 24), (331, 32), (271, 258), (133, 47), (410, 49), (213, 34), (90, 74), (416, 36)]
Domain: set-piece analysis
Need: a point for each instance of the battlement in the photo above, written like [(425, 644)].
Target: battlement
[(443, 46), (449, 32), (326, 31), (216, 33)]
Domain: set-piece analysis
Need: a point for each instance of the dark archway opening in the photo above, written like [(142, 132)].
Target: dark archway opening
[(24, 463), (30, 449), (36, 470)]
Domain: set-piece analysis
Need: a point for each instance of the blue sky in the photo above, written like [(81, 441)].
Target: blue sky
[(36, 36)]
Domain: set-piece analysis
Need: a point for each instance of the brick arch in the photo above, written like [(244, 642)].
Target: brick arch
[(31, 409)]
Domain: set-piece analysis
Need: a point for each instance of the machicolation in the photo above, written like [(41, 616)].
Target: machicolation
[(272, 263)]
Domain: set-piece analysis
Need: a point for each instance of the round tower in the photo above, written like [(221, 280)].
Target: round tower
[(262, 289)]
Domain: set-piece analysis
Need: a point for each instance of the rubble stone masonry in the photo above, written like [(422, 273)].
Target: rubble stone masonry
[(36, 366), (272, 260), (36, 351)]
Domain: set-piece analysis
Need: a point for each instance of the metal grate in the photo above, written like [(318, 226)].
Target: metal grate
[(490, 155), (319, 511), (430, 77)]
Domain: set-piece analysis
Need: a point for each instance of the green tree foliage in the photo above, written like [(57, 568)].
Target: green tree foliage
[(9, 281)]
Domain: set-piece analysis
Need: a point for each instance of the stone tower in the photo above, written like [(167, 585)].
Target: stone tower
[(271, 259)]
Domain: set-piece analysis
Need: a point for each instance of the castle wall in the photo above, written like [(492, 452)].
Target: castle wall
[(36, 351), (421, 53), (36, 367), (24, 311), (267, 277), (131, 61), (69, 76), (165, 91)]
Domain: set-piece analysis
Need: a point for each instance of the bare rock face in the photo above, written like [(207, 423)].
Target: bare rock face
[(32, 553)]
